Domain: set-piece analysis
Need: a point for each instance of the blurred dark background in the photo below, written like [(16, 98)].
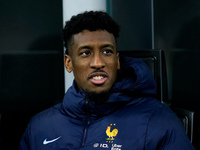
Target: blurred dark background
[(31, 53), (31, 63), (177, 31)]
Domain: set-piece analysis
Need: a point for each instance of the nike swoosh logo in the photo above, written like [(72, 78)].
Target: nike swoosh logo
[(50, 141)]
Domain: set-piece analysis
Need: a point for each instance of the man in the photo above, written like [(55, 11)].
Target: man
[(111, 103)]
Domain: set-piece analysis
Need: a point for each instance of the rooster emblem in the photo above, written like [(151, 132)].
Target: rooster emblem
[(112, 133)]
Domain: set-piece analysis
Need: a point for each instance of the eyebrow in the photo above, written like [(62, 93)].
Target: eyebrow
[(107, 45), (84, 47), (90, 47)]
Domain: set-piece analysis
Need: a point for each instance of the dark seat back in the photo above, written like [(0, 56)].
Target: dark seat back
[(187, 118)]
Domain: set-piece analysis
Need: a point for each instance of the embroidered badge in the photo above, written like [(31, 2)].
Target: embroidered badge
[(111, 134)]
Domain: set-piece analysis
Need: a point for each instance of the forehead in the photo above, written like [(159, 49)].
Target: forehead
[(98, 37)]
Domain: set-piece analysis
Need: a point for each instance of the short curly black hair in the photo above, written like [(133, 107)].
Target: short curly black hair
[(89, 20)]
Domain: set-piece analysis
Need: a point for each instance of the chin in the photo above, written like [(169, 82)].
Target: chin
[(99, 91), (99, 97)]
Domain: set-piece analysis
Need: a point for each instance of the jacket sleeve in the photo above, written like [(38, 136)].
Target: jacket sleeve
[(166, 132)]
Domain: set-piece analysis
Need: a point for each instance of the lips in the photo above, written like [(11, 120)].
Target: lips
[(98, 78)]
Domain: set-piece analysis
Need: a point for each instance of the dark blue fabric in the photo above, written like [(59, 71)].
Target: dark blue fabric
[(142, 122)]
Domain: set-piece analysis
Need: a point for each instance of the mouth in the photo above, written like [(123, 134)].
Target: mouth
[(98, 78)]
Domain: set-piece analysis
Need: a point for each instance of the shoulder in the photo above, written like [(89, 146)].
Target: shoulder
[(150, 106), (160, 114), (39, 124), (159, 117), (163, 116), (46, 116), (165, 129)]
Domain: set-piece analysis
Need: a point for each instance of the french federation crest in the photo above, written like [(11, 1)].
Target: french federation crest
[(111, 133)]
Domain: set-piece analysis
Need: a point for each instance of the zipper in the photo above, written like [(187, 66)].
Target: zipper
[(87, 123)]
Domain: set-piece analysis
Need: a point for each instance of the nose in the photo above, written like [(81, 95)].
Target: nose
[(97, 62)]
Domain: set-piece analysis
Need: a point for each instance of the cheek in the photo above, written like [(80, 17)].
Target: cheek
[(114, 66), (77, 65), (113, 70), (79, 72)]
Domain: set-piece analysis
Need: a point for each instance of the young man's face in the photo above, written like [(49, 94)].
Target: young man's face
[(94, 60)]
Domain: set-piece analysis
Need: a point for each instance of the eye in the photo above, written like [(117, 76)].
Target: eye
[(107, 51), (85, 53)]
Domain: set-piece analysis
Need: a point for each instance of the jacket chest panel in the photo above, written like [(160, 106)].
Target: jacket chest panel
[(116, 133)]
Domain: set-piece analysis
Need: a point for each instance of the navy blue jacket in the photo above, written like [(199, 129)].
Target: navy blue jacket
[(131, 119)]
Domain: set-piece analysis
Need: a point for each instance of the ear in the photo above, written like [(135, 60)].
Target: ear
[(118, 62), (68, 63)]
